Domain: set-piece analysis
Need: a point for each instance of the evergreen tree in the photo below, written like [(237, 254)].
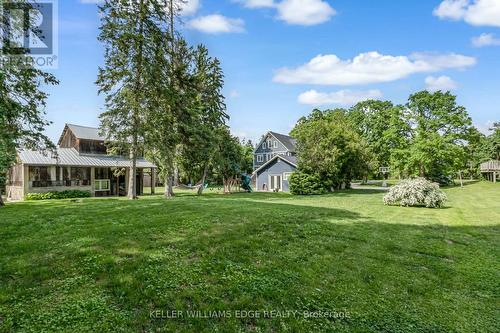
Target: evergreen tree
[(130, 31)]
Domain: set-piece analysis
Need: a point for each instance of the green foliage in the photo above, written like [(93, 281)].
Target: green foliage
[(329, 146), (22, 119), (415, 192), (440, 133), (134, 35), (104, 264), (68, 194), (306, 184), (247, 148), (382, 126), (228, 157)]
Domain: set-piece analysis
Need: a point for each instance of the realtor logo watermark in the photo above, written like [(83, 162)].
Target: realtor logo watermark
[(29, 32)]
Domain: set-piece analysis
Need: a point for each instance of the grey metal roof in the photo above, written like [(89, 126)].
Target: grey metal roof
[(86, 133), (71, 157), (286, 140)]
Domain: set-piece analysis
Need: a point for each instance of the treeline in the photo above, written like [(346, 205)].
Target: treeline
[(163, 96), (430, 136)]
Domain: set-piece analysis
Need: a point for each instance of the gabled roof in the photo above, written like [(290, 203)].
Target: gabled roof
[(292, 160), (286, 140), (82, 132), (71, 157)]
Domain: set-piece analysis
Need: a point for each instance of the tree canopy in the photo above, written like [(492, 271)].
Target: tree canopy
[(22, 102), (329, 145)]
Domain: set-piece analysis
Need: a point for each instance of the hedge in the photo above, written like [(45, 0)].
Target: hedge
[(58, 195), (306, 184)]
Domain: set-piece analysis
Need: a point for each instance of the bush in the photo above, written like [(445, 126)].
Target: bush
[(415, 192), (58, 195), (306, 184)]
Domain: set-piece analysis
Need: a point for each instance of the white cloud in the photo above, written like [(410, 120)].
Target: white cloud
[(477, 12), (485, 40), (305, 12), (443, 83), (190, 7), (216, 24), (370, 67), (343, 97), (257, 3), (297, 12)]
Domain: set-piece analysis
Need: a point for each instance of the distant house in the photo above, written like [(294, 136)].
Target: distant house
[(81, 163), (274, 160)]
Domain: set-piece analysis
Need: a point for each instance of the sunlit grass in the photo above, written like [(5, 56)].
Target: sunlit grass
[(102, 265)]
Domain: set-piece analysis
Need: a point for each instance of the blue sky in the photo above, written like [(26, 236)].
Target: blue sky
[(282, 58)]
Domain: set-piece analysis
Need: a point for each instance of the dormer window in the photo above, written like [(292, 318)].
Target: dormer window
[(275, 144)]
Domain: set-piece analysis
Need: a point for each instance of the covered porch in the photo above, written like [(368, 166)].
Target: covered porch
[(99, 181)]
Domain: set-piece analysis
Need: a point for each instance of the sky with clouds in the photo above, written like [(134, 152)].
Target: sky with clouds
[(282, 58)]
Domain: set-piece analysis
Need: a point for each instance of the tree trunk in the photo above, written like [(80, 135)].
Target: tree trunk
[(169, 186), (422, 170), (203, 178), (176, 174), (131, 176), (460, 176), (132, 193), (1, 200)]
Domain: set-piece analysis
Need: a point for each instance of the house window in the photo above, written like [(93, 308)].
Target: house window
[(80, 176), (275, 144), (268, 157), (269, 143), (102, 185), (39, 176), (259, 158), (264, 145), (286, 175)]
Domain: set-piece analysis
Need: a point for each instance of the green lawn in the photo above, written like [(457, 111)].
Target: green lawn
[(104, 265)]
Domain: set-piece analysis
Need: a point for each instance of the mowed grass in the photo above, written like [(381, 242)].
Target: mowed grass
[(105, 265)]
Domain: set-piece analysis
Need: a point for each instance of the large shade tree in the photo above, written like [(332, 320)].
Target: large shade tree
[(382, 125), (22, 101), (329, 146), (440, 131)]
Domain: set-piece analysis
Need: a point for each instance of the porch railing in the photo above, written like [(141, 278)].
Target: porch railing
[(56, 183)]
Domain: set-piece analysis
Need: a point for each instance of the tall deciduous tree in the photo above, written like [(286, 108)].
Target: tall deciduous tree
[(22, 119), (382, 125), (329, 146), (130, 31), (440, 132)]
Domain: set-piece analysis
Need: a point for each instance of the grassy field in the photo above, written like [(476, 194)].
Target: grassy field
[(111, 265)]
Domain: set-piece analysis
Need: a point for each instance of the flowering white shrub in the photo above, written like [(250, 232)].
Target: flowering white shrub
[(415, 192)]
